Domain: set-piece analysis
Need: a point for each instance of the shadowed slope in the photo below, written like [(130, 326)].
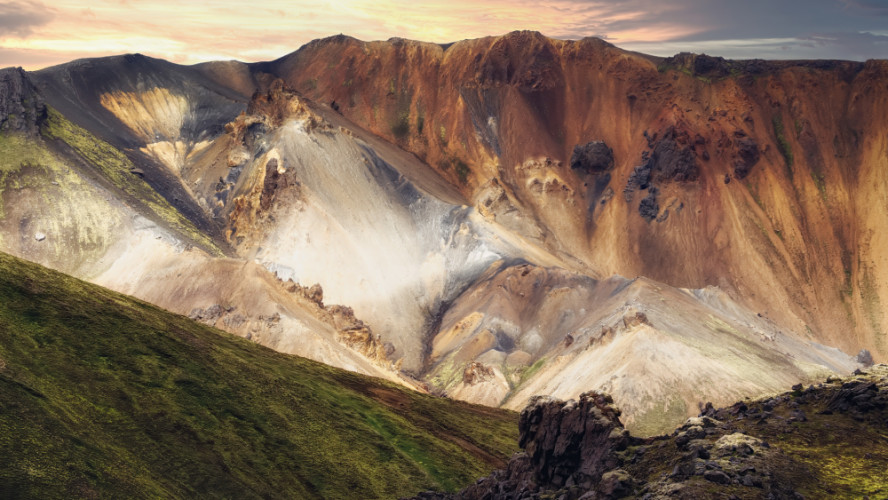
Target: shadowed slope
[(156, 112), (106, 396)]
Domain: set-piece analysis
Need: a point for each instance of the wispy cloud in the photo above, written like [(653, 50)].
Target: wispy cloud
[(853, 46), (18, 19), (878, 7)]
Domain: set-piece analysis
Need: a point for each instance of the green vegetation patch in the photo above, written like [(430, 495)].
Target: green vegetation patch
[(819, 181), (78, 219), (531, 370), (115, 167), (105, 396), (401, 125), (845, 456), (22, 155), (782, 144), (462, 171)]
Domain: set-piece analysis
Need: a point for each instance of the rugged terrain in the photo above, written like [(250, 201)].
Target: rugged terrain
[(104, 396), (824, 441), (758, 177), (491, 219)]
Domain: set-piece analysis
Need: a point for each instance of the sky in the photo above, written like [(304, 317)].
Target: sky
[(35, 34)]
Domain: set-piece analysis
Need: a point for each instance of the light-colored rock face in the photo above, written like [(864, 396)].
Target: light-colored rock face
[(151, 114), (345, 218), (161, 119), (660, 351)]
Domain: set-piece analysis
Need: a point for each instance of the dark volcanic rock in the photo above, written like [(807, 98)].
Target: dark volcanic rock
[(748, 150), (716, 476), (649, 208), (857, 396), (700, 65), (592, 157), (639, 179), (21, 107), (673, 159), (571, 444)]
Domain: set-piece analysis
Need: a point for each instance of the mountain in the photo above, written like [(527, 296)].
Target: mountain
[(764, 174), (491, 219), (104, 396)]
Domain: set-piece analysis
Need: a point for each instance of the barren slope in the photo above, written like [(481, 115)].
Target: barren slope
[(758, 177)]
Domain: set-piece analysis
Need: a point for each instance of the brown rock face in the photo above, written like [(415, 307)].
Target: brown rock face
[(796, 237)]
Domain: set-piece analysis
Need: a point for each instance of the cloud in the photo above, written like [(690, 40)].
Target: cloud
[(859, 46), (878, 7), (18, 19), (853, 46)]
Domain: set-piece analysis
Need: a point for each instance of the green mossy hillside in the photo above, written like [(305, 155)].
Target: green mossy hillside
[(117, 169), (104, 396)]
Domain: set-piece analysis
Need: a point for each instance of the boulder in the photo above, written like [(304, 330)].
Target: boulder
[(649, 208), (592, 157), (749, 154), (865, 358)]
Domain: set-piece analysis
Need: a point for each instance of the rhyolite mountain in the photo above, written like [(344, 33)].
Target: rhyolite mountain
[(493, 219)]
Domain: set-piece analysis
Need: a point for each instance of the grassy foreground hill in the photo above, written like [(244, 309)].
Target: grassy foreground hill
[(104, 396)]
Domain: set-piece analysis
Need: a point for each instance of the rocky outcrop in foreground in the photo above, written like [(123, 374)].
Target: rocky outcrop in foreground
[(827, 440)]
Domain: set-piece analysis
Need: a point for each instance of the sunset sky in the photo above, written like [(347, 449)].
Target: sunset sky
[(35, 34)]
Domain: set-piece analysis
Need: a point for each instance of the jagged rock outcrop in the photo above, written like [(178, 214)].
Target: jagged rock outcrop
[(752, 449), (748, 151), (673, 156), (569, 445), (21, 106), (350, 330)]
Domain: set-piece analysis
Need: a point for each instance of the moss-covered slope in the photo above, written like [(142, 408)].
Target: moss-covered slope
[(105, 396)]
